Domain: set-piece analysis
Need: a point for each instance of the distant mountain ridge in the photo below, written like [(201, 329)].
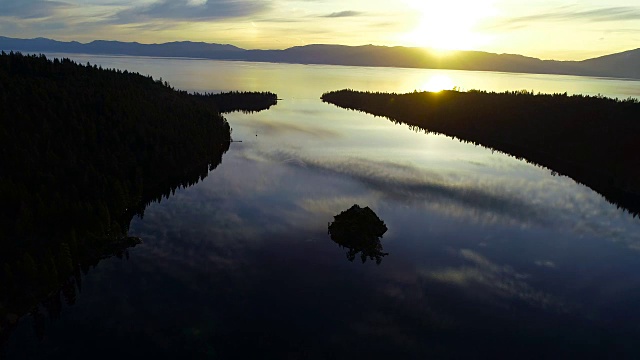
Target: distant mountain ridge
[(620, 65), (104, 47)]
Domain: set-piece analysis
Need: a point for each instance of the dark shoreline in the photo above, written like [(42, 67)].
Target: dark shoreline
[(591, 139), (85, 150)]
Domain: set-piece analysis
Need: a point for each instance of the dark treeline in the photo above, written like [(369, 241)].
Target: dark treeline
[(83, 150), (592, 139), (247, 102)]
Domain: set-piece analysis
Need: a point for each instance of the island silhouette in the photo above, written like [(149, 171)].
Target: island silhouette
[(359, 230)]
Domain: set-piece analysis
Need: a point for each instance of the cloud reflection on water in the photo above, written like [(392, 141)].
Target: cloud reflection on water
[(501, 280), (553, 202), (278, 128), (408, 184)]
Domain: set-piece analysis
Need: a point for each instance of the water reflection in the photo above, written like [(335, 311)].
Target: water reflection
[(359, 230), (310, 81), (35, 273), (501, 281), (67, 290), (491, 257), (501, 192)]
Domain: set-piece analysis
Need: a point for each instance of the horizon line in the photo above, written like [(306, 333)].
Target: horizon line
[(433, 50)]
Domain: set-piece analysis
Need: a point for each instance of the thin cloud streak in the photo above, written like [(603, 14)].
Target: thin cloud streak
[(405, 183), (30, 9), (570, 14), (501, 280), (340, 14), (181, 10)]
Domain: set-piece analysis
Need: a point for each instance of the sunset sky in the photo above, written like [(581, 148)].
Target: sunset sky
[(548, 29)]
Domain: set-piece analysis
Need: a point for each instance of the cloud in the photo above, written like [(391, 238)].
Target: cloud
[(190, 10), (545, 263), (274, 127), (555, 202), (603, 14), (329, 206), (570, 14), (30, 9), (407, 183), (502, 281), (348, 13)]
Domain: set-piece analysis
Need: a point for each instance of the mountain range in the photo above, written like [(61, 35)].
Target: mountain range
[(620, 65)]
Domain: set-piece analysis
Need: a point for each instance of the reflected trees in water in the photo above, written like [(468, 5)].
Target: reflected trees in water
[(592, 139), (359, 230), (84, 150), (50, 304)]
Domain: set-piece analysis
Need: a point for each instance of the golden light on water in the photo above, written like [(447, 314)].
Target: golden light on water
[(449, 25), (437, 83)]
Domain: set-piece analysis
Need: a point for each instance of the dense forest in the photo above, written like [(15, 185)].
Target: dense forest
[(592, 139), (84, 149), (246, 102)]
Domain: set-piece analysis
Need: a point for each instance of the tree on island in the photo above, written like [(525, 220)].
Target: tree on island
[(359, 230)]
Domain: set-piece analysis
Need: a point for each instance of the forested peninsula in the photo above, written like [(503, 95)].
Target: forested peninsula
[(592, 139), (83, 150)]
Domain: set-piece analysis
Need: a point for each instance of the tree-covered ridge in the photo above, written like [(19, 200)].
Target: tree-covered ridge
[(592, 139), (241, 101), (83, 150), (83, 144)]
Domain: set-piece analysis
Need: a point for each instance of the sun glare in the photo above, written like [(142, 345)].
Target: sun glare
[(438, 83), (449, 25)]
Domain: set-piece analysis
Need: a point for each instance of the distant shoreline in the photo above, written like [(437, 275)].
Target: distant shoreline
[(622, 65)]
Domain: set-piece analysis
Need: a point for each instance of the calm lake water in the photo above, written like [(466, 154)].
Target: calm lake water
[(488, 256)]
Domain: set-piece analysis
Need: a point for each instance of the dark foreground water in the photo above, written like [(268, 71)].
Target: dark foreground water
[(488, 256)]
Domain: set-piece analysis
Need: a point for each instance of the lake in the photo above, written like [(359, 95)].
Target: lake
[(488, 256)]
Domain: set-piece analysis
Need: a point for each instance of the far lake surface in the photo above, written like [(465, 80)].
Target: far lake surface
[(488, 256)]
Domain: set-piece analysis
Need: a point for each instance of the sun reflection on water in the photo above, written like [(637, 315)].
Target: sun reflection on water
[(437, 83)]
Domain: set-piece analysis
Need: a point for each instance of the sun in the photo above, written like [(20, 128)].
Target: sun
[(437, 83), (449, 25)]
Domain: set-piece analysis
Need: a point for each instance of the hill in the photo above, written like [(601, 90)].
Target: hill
[(173, 49), (621, 65)]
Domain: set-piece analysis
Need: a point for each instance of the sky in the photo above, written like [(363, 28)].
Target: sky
[(548, 29)]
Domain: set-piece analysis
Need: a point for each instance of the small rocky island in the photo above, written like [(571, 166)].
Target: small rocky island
[(359, 230)]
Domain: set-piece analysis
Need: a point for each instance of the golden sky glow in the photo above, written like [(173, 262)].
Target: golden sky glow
[(541, 28), (449, 25)]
